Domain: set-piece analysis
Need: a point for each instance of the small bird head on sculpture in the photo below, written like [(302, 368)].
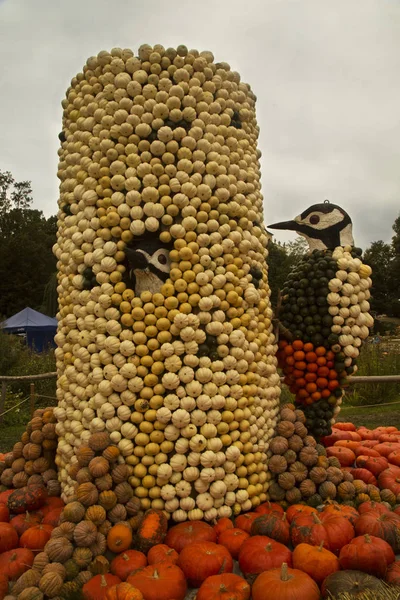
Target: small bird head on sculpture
[(148, 263), (323, 225)]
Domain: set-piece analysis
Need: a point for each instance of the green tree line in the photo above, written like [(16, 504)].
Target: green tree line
[(27, 264)]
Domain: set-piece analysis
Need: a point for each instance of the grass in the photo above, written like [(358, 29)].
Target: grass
[(9, 435), (376, 359), (371, 417)]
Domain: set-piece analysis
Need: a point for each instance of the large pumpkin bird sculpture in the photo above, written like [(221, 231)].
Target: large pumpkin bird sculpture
[(323, 315)]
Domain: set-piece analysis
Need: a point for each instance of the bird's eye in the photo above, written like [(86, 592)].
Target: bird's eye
[(162, 259), (314, 219)]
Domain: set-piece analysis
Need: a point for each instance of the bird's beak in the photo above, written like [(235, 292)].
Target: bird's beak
[(136, 259), (286, 225)]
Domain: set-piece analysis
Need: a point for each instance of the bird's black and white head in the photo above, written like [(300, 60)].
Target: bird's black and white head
[(148, 263), (323, 225)]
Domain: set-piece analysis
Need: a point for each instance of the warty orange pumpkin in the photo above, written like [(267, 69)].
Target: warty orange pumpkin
[(152, 530)]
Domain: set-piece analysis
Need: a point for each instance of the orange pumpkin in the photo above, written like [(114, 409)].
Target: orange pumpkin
[(222, 525), (374, 464), (226, 586), (15, 562), (298, 509), (260, 553), (365, 475), (364, 451), (183, 534), (96, 588), (8, 537), (35, 538), (4, 496), (163, 581), (162, 553), (123, 591), (394, 458), (52, 503), (119, 538), (233, 540), (386, 448), (246, 520), (348, 512), (345, 426), (315, 561), (3, 586), (4, 513), (390, 479), (366, 434), (53, 517), (127, 562), (286, 584), (393, 573), (272, 525), (367, 553), (369, 505), (347, 444), (345, 456), (385, 526), (389, 437), (334, 530), (152, 530), (23, 522), (203, 559), (268, 507)]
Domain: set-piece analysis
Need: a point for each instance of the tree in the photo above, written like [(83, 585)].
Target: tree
[(281, 259), (395, 270), (27, 237), (379, 257)]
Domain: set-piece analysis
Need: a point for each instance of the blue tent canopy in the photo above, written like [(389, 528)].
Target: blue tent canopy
[(38, 328)]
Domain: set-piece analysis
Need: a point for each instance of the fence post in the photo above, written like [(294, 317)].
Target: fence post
[(32, 399), (3, 398)]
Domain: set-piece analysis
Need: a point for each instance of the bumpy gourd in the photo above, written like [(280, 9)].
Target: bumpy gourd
[(165, 339)]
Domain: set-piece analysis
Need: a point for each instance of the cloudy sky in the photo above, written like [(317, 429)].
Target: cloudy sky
[(326, 74)]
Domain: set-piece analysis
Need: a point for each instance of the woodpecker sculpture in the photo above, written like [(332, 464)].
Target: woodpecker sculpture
[(148, 264), (323, 313)]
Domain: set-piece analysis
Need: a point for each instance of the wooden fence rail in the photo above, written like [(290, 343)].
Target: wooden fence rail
[(5, 379)]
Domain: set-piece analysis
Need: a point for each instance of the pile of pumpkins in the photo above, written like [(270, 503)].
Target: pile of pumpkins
[(101, 538), (305, 471), (32, 460), (303, 552)]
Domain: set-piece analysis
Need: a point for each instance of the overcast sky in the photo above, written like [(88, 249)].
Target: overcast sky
[(326, 74)]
